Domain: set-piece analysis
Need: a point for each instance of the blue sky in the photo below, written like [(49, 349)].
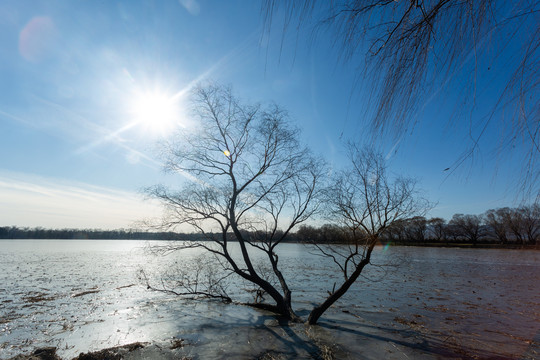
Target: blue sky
[(76, 75)]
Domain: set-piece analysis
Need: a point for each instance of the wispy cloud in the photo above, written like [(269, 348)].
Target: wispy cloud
[(192, 6), (29, 200)]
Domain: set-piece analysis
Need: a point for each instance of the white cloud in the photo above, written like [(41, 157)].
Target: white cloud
[(192, 6), (29, 200)]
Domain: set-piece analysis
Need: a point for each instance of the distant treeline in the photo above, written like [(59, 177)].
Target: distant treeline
[(504, 227), (13, 232)]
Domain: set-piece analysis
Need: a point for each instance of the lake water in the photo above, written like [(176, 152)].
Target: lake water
[(415, 302)]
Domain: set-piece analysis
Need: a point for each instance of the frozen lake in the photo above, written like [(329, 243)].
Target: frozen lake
[(81, 295)]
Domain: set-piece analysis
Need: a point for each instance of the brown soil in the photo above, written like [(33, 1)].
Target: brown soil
[(114, 353)]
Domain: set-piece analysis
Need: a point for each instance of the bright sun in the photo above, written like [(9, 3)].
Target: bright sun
[(156, 112)]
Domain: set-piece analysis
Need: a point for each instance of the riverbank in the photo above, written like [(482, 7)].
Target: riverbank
[(466, 245), (398, 339)]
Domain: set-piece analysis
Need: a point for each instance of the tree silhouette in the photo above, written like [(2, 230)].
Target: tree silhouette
[(366, 202), (252, 183), (468, 226)]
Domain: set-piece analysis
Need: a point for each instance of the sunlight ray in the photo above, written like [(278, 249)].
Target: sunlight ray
[(107, 138)]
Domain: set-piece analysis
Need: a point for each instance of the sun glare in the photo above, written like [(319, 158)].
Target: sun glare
[(156, 112)]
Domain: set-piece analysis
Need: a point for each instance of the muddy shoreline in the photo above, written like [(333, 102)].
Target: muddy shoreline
[(355, 336)]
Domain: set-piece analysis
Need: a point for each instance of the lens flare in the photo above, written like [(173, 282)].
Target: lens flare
[(37, 39)]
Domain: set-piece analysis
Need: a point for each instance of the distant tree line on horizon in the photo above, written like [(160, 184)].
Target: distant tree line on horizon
[(14, 232), (503, 226)]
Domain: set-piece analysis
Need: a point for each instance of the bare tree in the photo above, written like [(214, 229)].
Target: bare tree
[(498, 223), (365, 202), (520, 224), (514, 222), (251, 183), (530, 217), (437, 229), (468, 226), (416, 229), (408, 50), (397, 231)]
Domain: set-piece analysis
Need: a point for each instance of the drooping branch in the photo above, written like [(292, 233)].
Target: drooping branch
[(408, 52)]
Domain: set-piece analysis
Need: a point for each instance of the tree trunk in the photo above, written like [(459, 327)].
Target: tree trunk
[(330, 300), (283, 303)]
